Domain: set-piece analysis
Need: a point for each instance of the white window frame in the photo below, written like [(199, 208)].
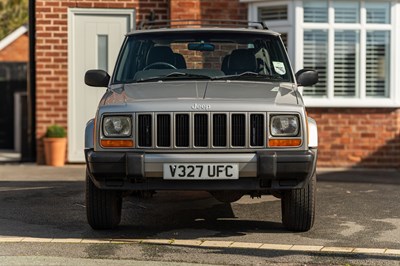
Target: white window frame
[(295, 21)]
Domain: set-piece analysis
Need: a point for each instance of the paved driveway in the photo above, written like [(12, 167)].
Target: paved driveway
[(358, 221)]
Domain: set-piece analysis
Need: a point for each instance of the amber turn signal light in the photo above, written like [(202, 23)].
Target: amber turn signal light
[(284, 142), (107, 143)]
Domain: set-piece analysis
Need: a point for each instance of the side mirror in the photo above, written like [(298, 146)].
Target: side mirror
[(97, 78), (306, 77)]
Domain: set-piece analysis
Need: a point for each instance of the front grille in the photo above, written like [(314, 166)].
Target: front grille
[(201, 130)]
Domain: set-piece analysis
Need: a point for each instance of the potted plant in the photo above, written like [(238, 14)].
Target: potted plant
[(55, 144)]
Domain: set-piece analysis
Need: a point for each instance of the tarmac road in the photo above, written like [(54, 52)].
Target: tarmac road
[(43, 221)]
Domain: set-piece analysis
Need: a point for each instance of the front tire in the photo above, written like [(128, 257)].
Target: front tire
[(103, 207), (298, 207)]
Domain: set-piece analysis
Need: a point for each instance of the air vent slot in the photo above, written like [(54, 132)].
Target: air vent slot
[(238, 124), (219, 130), (257, 130), (201, 130), (145, 130), (164, 130), (182, 131)]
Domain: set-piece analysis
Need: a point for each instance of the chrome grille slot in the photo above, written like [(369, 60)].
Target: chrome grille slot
[(238, 130), (164, 130), (257, 130), (219, 130), (201, 130), (182, 130), (145, 130)]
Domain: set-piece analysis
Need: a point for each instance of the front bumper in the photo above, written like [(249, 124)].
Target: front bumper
[(262, 170)]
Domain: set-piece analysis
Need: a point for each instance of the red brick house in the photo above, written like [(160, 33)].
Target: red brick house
[(358, 118)]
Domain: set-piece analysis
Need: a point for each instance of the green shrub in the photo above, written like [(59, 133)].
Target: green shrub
[(56, 131)]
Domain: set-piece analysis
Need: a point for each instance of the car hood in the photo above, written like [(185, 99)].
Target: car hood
[(278, 93)]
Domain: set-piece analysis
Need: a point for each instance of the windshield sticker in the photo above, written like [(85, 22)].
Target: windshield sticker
[(279, 68), (275, 89)]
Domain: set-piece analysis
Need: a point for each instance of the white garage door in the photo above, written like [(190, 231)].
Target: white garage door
[(95, 37)]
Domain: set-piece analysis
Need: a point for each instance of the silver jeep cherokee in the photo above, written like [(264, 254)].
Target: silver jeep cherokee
[(202, 108)]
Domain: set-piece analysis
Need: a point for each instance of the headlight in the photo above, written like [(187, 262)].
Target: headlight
[(117, 126), (284, 125)]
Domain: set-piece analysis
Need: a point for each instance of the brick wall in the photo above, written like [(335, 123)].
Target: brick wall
[(17, 51), (208, 9), (51, 54), (223, 9), (358, 137), (185, 9)]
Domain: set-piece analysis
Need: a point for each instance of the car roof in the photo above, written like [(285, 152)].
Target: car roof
[(205, 29)]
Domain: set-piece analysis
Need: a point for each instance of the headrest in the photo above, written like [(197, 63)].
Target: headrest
[(180, 61), (160, 54), (242, 60), (224, 65)]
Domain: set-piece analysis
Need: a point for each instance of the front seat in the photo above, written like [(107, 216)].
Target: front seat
[(180, 61), (160, 54), (240, 61)]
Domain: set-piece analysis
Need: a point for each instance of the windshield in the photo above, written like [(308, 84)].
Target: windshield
[(213, 55)]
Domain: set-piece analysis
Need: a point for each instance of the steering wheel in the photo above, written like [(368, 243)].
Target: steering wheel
[(159, 64)]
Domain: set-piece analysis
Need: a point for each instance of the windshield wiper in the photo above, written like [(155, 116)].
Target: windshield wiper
[(175, 76), (248, 76)]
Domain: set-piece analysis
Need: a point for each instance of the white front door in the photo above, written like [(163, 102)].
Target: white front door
[(95, 37)]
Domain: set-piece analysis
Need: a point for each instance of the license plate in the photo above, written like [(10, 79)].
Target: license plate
[(187, 171)]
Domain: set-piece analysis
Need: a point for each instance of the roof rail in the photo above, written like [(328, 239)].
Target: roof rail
[(157, 24)]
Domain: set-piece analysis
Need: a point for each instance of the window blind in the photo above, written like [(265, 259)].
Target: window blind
[(315, 56), (377, 63), (315, 11), (272, 13), (378, 13), (346, 72), (347, 12)]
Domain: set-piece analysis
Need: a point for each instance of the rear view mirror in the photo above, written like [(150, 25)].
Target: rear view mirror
[(306, 77), (201, 47), (97, 78)]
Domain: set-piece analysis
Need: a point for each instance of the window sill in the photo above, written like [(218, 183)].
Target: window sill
[(350, 103)]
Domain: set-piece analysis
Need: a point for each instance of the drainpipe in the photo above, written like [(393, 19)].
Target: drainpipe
[(30, 155)]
